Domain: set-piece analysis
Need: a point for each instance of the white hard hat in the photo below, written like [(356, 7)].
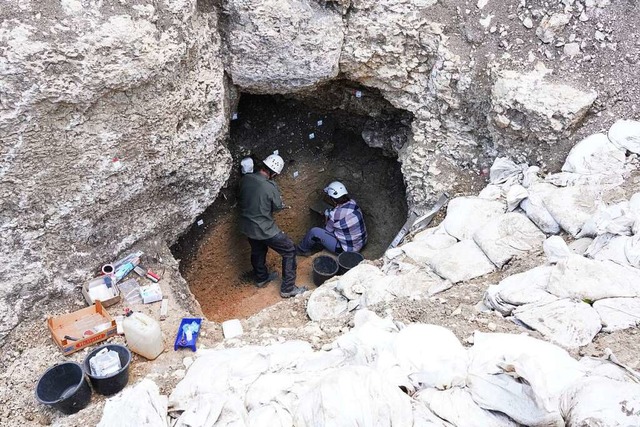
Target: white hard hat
[(336, 190), (274, 162), (246, 165)]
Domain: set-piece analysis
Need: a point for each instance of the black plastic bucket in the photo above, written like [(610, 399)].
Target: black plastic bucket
[(348, 260), (324, 267), (64, 387), (111, 384)]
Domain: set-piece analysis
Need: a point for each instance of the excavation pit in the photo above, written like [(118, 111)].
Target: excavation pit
[(318, 146)]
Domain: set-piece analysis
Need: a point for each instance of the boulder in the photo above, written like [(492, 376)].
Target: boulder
[(280, 46)]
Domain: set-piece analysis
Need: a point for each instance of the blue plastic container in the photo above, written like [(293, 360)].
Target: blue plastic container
[(182, 337)]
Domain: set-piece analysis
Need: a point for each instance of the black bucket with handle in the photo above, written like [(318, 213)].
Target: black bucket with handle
[(64, 387), (324, 268), (348, 260)]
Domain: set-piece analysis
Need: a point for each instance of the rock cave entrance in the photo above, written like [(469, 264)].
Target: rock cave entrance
[(321, 137)]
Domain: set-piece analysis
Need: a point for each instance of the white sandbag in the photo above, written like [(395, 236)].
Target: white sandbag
[(545, 368), (595, 154), (204, 410), (515, 195), (598, 401), (609, 247), (555, 249), (462, 261), (626, 134), (632, 250), (534, 207), (634, 211), (431, 355), (416, 284), (519, 289), (614, 219), (354, 396), (421, 251), (582, 278), (505, 170), (491, 192), (508, 236), (326, 303), (618, 313), (531, 176), (271, 415), (569, 323), (465, 215), (580, 246), (424, 417), (457, 407), (218, 371), (570, 207), (503, 394), (142, 404), (356, 281)]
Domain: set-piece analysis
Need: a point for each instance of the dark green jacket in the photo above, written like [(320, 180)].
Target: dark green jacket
[(259, 198)]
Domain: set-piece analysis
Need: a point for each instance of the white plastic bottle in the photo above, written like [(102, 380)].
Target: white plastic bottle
[(143, 335)]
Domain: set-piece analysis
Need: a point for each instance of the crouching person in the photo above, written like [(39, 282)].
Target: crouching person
[(344, 229)]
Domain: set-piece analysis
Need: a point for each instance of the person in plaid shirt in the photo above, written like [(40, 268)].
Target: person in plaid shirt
[(344, 230)]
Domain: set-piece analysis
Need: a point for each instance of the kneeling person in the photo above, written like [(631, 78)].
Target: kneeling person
[(344, 230)]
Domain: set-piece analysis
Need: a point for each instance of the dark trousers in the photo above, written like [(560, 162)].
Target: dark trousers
[(283, 245)]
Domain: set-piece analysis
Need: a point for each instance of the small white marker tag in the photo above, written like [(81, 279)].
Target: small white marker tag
[(276, 152), (200, 222), (358, 94), (234, 116), (312, 135), (319, 122), (295, 174)]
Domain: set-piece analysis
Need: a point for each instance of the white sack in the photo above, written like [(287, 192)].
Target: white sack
[(618, 313), (356, 281), (555, 249), (519, 289), (465, 215), (507, 236), (545, 368), (634, 211), (462, 261), (632, 250), (568, 323), (570, 207), (423, 249), (582, 278), (505, 170), (271, 415), (491, 192), (431, 355), (141, 404), (326, 303), (614, 219), (534, 207), (424, 417), (457, 407), (205, 410), (600, 401), (580, 246), (609, 247), (416, 284), (515, 195), (595, 155), (626, 134), (531, 176), (354, 396)]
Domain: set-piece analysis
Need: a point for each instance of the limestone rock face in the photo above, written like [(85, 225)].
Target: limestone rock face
[(280, 46), (528, 111), (111, 126)]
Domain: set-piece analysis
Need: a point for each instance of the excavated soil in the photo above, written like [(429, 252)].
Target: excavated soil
[(317, 149)]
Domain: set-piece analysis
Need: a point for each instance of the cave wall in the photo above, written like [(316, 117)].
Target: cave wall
[(113, 115), (112, 123)]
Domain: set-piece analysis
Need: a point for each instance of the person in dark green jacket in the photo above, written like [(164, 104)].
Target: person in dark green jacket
[(259, 198)]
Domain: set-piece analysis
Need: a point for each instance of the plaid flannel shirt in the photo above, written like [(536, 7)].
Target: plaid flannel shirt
[(347, 224)]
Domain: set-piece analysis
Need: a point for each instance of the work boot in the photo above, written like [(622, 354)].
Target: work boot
[(293, 292), (301, 252), (272, 276)]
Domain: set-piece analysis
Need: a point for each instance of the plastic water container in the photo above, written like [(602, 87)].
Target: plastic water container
[(143, 335)]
